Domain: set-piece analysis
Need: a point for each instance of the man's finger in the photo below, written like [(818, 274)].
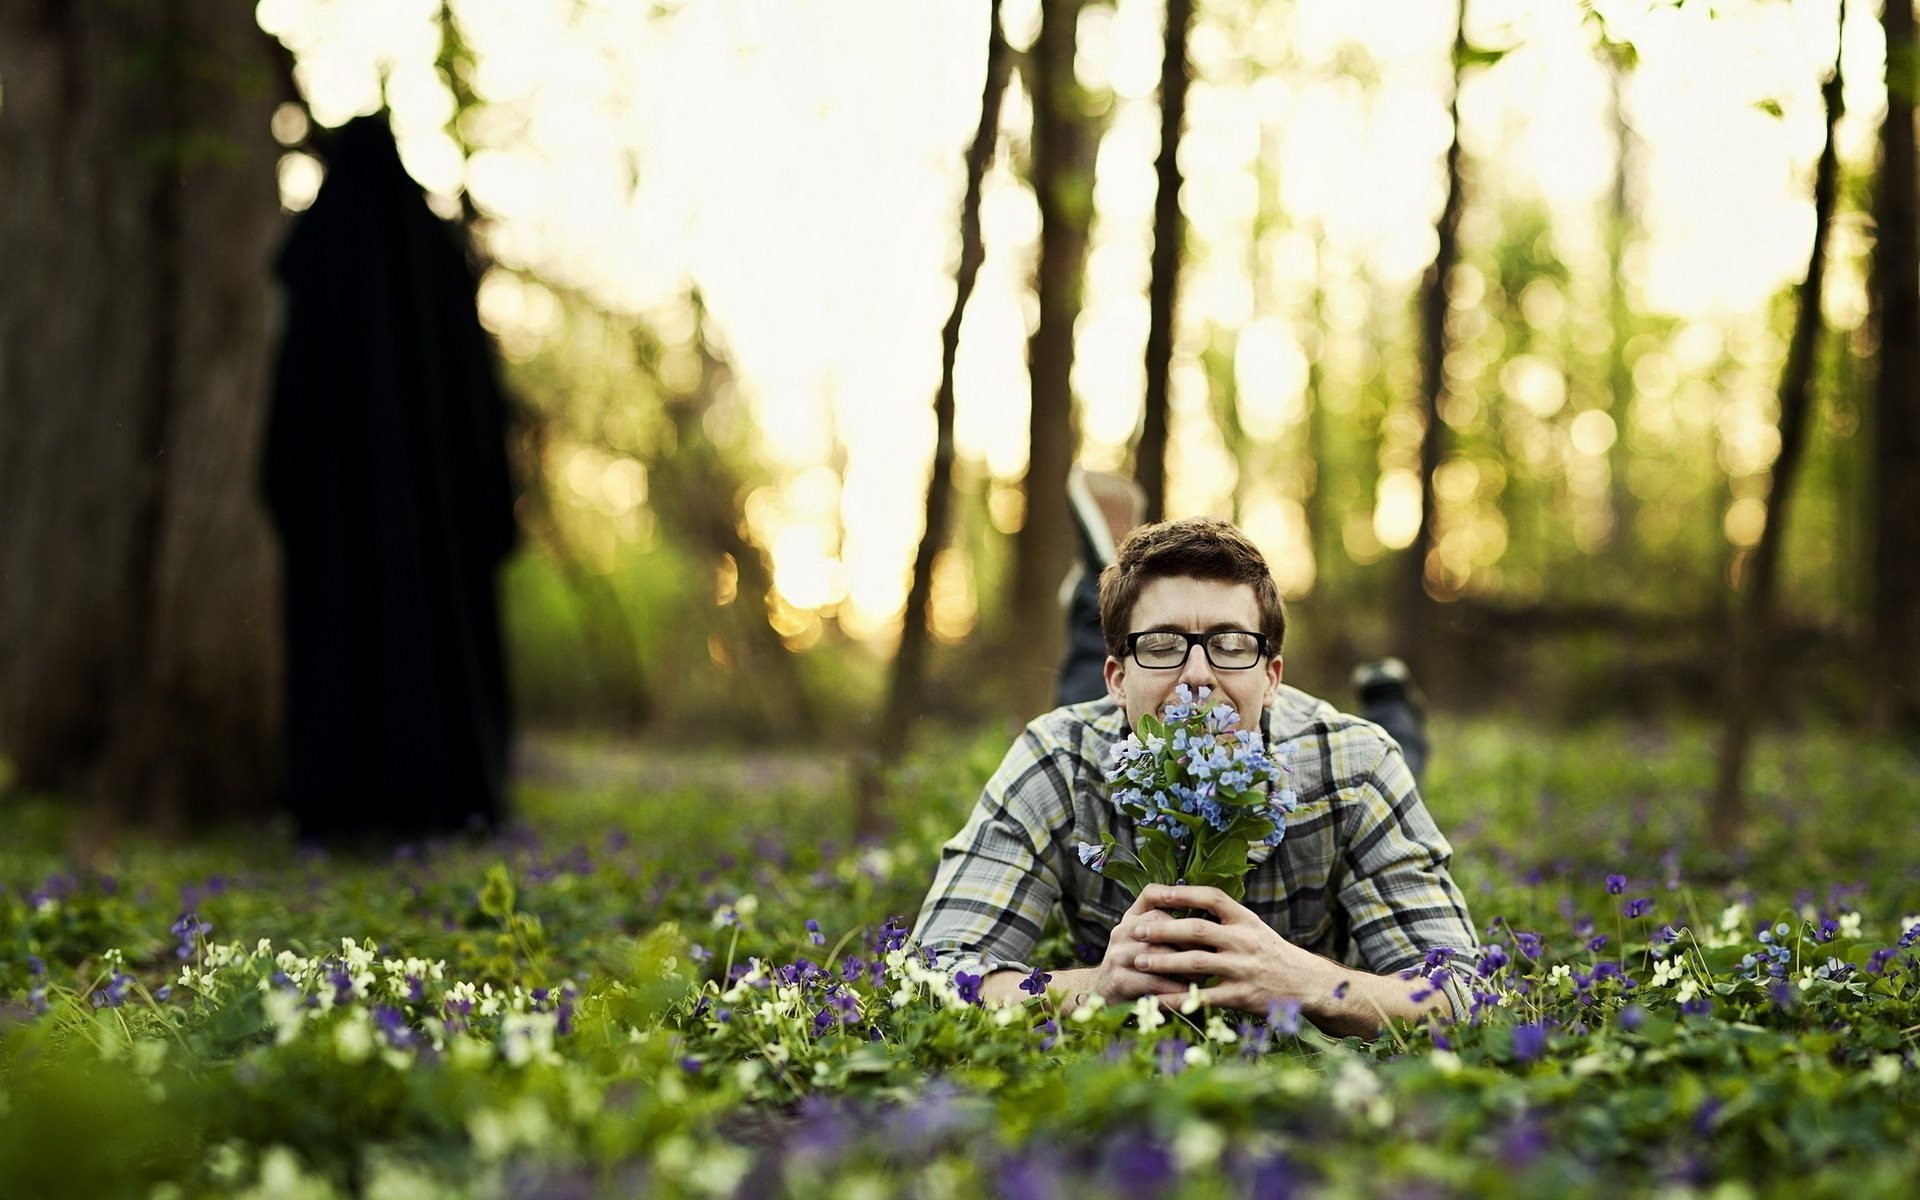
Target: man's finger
[(1188, 931), (1199, 963), (1206, 899), (1209, 997)]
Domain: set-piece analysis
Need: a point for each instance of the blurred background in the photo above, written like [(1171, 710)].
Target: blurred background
[(1513, 331)]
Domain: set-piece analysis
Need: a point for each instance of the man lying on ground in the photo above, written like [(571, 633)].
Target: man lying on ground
[(1356, 893)]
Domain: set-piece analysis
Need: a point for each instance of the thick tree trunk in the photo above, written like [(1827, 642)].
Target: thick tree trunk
[(1169, 243), (1414, 626), (1062, 168), (908, 682), (1752, 631), (1894, 660), (138, 620)]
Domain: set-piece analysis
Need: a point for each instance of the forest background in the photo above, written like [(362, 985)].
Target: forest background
[(1513, 332)]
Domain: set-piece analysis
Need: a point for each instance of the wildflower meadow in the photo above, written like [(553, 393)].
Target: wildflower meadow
[(680, 978)]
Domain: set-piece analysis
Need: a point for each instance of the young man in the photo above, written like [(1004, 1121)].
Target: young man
[(1357, 892)]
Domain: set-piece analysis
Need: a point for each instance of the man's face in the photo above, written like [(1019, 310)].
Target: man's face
[(1193, 606)]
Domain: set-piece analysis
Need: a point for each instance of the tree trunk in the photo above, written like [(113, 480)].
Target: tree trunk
[(697, 495), (1169, 238), (138, 623), (908, 682), (1062, 170), (1746, 688), (1414, 624), (1620, 318), (1894, 661)]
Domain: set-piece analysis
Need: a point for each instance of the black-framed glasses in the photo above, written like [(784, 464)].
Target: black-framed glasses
[(1226, 649)]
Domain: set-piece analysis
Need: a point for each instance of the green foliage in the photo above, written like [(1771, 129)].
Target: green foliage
[(614, 1001)]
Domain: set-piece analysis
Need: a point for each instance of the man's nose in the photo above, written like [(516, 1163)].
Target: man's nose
[(1197, 671)]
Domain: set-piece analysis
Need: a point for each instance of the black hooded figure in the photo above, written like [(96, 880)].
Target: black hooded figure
[(386, 474)]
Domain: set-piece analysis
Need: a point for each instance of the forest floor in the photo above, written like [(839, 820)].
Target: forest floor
[(678, 975)]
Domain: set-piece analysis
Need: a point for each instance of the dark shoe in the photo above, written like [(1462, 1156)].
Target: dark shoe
[(1106, 508), (1386, 680)]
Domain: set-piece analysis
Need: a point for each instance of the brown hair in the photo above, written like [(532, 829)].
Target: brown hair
[(1194, 548)]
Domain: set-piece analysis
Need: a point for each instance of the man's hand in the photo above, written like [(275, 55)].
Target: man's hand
[(1120, 977), (1256, 968)]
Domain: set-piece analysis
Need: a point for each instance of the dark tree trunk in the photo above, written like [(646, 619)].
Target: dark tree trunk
[(138, 594), (1752, 630), (1169, 239), (908, 681), (1062, 169), (1894, 661), (1620, 316), (1414, 626)]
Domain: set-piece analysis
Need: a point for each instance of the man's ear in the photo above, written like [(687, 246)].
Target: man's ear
[(1275, 668), (1115, 673)]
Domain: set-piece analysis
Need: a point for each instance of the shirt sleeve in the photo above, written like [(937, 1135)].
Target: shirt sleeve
[(1000, 875), (1400, 899)]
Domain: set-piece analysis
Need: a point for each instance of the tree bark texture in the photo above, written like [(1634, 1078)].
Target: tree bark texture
[(1062, 177), (1169, 244), (1894, 661), (138, 594), (1414, 626), (1753, 621), (907, 683)]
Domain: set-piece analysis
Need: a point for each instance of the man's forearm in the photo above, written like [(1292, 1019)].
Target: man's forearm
[(1354, 1002), (1069, 989)]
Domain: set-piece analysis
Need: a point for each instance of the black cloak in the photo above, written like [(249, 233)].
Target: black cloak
[(386, 476)]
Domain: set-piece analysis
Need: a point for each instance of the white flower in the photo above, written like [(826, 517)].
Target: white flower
[(1850, 925), (1198, 1144), (1731, 918), (1146, 1010), (353, 1037)]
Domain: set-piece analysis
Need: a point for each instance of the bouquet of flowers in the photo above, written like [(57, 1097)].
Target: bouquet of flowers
[(1201, 794)]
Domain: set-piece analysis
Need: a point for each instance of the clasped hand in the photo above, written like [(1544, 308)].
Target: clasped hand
[(1152, 952)]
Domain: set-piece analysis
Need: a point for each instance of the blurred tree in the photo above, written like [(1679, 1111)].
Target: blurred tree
[(1746, 693), (907, 683), (1621, 57), (1894, 661), (1169, 244), (698, 495), (1414, 626), (138, 625), (1062, 176)]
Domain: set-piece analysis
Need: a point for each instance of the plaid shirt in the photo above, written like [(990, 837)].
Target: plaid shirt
[(1361, 877)]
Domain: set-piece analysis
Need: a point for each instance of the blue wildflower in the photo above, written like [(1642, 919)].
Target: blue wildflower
[(813, 933), (114, 994), (968, 985), (1635, 909), (1035, 984), (1616, 884), (1529, 1041)]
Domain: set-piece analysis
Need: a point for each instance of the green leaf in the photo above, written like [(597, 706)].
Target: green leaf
[(1467, 57), (1771, 107), (497, 894)]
